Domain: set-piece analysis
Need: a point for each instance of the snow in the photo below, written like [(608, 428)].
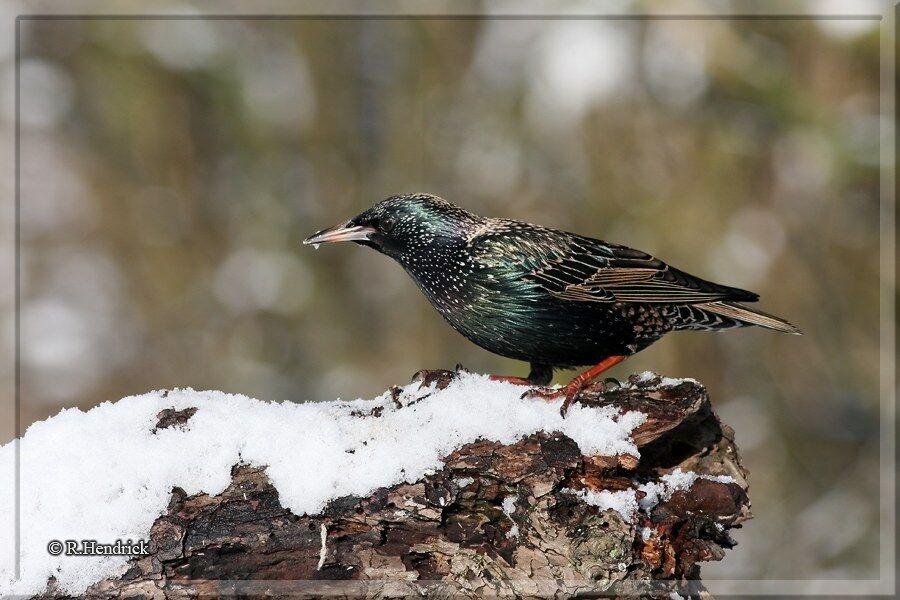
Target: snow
[(673, 381), (648, 376), (623, 502), (509, 507), (626, 503), (662, 490), (323, 550), (103, 475)]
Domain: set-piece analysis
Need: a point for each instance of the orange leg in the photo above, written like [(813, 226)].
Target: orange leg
[(538, 375), (512, 380), (571, 389)]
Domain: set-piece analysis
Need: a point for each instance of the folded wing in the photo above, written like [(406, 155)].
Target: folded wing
[(594, 271)]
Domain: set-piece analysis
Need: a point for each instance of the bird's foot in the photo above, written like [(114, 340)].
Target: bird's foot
[(441, 378), (568, 393)]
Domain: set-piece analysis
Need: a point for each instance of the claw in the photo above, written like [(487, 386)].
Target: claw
[(610, 384), (570, 398), (568, 393), (544, 393)]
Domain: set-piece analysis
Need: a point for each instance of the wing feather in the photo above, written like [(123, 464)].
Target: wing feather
[(581, 269)]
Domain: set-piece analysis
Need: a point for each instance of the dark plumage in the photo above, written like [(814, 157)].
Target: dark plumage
[(551, 298)]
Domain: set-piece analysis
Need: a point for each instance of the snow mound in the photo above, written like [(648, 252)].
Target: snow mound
[(105, 475), (651, 377)]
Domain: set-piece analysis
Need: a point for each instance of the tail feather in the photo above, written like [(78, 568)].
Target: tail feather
[(746, 314)]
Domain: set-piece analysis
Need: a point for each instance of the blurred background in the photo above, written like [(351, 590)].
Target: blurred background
[(171, 168)]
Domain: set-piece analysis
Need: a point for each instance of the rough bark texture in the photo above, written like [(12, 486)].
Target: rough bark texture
[(450, 534)]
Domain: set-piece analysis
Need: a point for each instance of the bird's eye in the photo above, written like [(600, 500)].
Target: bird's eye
[(386, 224)]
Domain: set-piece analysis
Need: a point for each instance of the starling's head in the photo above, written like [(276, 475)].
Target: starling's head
[(401, 223)]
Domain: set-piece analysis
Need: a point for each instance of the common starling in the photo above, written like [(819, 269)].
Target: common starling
[(557, 300)]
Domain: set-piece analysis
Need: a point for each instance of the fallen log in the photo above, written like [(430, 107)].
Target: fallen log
[(533, 518)]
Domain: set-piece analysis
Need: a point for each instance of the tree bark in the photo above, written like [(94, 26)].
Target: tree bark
[(495, 520)]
